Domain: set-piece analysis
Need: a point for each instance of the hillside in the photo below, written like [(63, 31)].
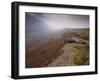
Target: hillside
[(61, 49)]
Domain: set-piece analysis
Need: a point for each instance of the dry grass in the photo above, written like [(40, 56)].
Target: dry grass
[(82, 57)]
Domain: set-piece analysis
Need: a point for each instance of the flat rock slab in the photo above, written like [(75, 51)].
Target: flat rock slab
[(67, 56)]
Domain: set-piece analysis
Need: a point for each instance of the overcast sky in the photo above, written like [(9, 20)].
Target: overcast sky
[(39, 22)]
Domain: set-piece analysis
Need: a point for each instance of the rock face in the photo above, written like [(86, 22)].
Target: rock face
[(66, 57), (68, 51), (77, 40)]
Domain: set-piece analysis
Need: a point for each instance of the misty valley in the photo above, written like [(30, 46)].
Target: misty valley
[(63, 48), (53, 40)]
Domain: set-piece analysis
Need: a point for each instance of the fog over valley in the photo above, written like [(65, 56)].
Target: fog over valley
[(41, 26)]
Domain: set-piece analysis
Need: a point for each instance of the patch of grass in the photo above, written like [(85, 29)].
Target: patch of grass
[(44, 50), (84, 34), (82, 56)]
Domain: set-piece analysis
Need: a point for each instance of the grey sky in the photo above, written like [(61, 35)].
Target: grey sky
[(41, 21)]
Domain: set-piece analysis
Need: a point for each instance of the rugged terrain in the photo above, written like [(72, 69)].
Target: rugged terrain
[(67, 49)]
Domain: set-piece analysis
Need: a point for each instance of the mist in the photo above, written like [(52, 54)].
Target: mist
[(42, 22)]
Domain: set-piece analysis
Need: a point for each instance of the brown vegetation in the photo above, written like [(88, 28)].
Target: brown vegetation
[(50, 52), (44, 54)]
